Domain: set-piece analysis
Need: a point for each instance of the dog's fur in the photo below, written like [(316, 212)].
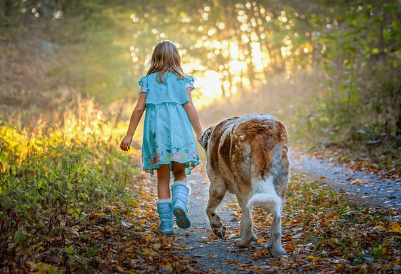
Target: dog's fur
[(248, 156)]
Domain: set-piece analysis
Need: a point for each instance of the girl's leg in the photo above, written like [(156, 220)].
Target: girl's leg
[(180, 192), (163, 182), (179, 171), (164, 207)]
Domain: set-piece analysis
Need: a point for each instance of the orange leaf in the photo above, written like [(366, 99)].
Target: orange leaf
[(395, 227), (312, 257), (147, 250), (336, 216), (289, 247), (168, 267)]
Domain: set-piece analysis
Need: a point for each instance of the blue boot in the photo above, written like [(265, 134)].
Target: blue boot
[(180, 193), (166, 216)]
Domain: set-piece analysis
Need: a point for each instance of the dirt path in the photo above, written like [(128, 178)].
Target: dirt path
[(214, 255), (218, 256), (369, 187)]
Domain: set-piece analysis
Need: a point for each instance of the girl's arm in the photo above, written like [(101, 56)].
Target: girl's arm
[(133, 124), (193, 115)]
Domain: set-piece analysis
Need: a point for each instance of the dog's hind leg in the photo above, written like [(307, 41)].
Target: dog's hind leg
[(243, 207), (280, 182), (246, 225), (275, 248), (217, 191)]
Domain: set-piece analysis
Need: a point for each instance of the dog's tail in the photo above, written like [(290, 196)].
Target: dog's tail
[(265, 195)]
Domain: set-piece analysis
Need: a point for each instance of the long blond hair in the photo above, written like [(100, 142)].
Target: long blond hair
[(165, 57)]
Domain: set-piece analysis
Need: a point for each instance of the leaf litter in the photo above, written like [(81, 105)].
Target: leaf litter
[(323, 231)]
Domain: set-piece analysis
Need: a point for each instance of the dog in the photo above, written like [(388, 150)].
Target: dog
[(248, 156)]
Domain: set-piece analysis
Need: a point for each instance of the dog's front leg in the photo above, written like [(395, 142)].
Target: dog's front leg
[(217, 191)]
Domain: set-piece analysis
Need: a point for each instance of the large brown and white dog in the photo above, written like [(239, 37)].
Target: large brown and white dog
[(248, 156)]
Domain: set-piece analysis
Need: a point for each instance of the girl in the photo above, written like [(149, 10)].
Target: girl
[(168, 142)]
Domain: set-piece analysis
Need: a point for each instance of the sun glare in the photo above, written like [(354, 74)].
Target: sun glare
[(211, 82), (209, 87)]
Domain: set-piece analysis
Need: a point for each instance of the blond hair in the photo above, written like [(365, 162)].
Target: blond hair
[(165, 57)]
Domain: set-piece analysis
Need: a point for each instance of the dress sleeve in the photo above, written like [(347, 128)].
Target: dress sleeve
[(143, 84), (189, 82)]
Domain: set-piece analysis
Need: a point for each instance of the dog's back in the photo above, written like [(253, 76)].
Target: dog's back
[(260, 152)]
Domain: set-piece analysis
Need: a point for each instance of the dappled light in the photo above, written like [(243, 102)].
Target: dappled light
[(245, 44)]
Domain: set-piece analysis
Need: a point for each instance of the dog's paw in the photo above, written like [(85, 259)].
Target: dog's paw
[(243, 243), (276, 251), (220, 231), (254, 238)]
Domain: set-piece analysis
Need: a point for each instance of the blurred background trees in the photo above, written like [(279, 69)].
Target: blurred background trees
[(330, 70)]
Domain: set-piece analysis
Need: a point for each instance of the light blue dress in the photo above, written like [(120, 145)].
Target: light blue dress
[(167, 132)]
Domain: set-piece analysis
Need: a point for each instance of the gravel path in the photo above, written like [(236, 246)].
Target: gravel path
[(368, 187)]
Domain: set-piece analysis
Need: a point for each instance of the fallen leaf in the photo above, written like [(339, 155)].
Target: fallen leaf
[(289, 247), (147, 250), (395, 227), (312, 257), (168, 267)]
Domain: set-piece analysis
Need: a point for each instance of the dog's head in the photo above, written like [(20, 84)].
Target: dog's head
[(204, 139)]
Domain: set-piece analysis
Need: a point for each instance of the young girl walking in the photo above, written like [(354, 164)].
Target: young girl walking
[(168, 141)]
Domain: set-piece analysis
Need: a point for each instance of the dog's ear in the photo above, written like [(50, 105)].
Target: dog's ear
[(204, 139)]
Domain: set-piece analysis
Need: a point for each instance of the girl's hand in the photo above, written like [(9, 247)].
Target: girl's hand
[(198, 135), (126, 142)]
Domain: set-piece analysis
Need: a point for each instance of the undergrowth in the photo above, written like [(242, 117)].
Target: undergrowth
[(54, 175)]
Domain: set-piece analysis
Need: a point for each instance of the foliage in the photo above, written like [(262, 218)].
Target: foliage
[(106, 45), (52, 176), (362, 65)]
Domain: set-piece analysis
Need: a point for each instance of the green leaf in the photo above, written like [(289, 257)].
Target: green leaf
[(19, 236), (3, 158), (41, 182), (69, 250), (91, 252)]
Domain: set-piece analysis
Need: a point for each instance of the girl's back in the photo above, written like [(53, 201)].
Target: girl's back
[(173, 90)]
